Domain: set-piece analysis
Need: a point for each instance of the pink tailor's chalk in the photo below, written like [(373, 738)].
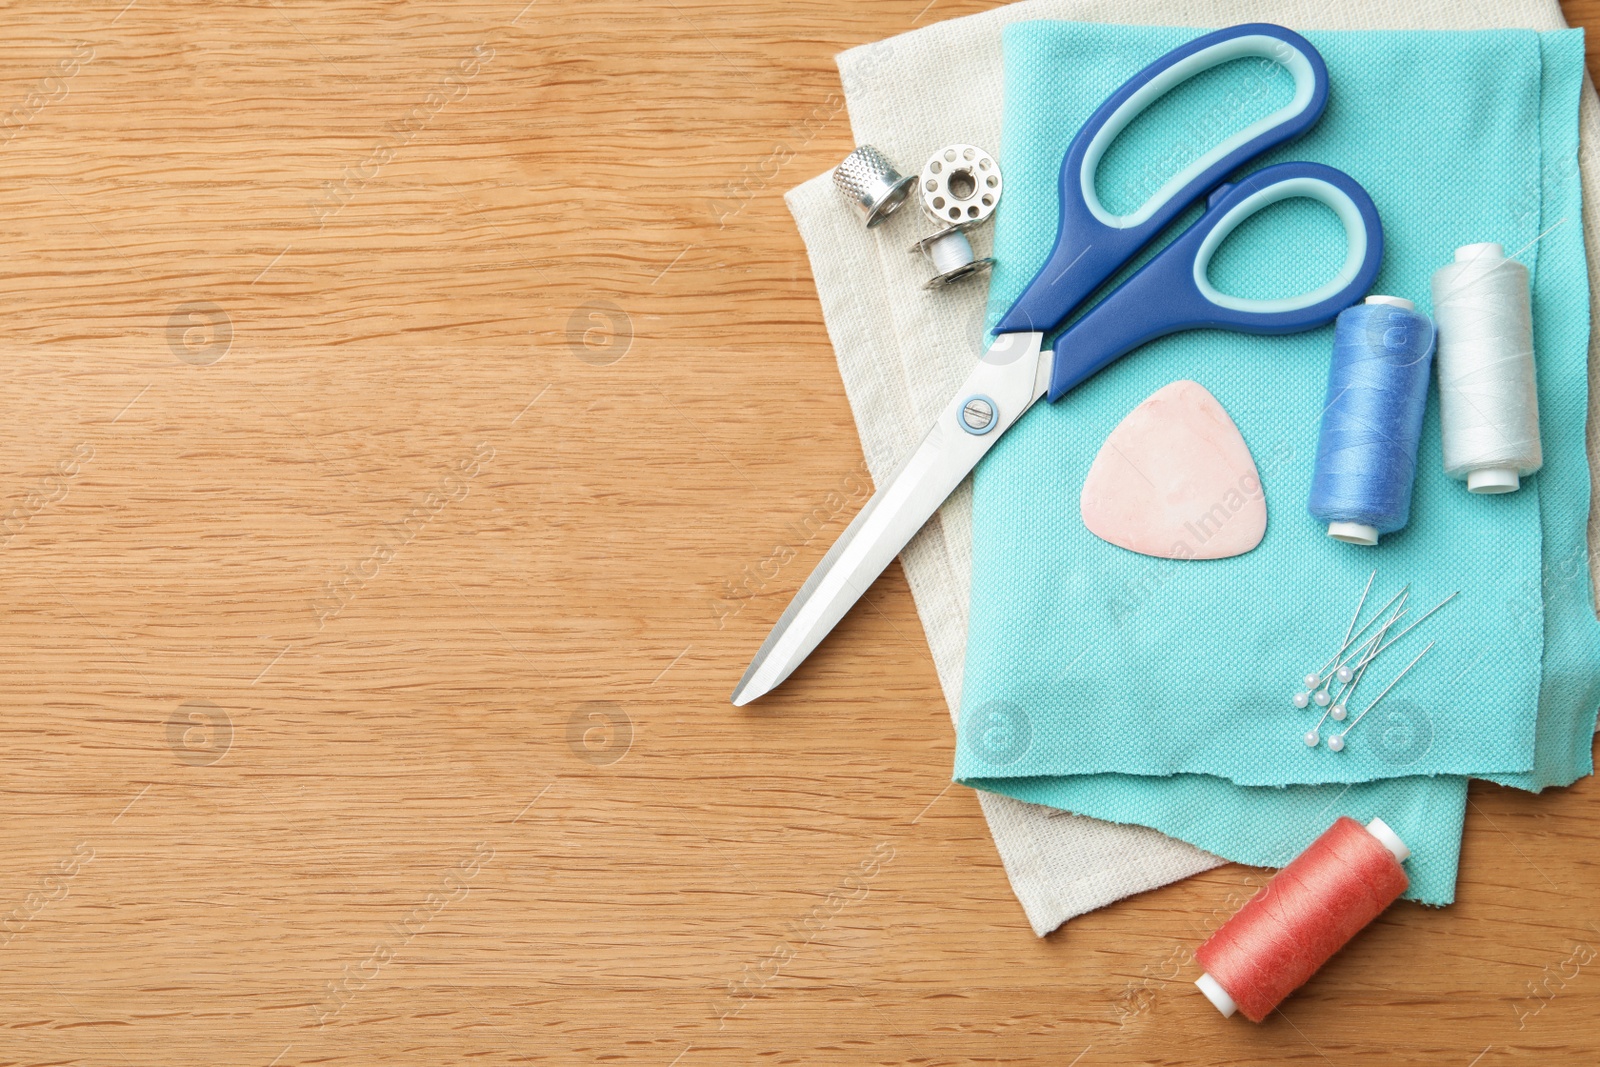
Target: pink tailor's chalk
[(1175, 480)]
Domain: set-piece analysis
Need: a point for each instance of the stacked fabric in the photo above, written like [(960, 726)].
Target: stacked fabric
[(1164, 706), (1154, 694)]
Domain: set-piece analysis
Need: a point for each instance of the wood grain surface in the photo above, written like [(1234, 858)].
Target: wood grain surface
[(394, 394)]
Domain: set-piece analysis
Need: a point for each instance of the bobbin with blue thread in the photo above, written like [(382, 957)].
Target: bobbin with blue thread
[(1372, 419), (960, 186)]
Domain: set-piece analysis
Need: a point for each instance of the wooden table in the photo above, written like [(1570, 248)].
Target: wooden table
[(392, 395)]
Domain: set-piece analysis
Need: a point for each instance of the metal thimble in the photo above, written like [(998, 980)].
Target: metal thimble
[(870, 182)]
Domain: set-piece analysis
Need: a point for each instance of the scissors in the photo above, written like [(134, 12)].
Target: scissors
[(1168, 294)]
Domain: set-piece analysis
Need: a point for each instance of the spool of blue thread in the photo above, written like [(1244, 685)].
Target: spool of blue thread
[(1372, 419)]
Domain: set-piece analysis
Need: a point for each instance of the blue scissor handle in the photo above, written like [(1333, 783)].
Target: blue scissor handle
[(1092, 243), (1172, 293)]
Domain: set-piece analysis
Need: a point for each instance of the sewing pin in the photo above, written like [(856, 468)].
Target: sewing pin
[(1313, 680), (1398, 602), (1336, 742), (1364, 655), (1340, 703), (1340, 656), (1337, 711), (1424, 615), (1369, 652), (1316, 678)]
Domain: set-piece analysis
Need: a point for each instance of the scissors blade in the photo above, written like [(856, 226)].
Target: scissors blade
[(1011, 376)]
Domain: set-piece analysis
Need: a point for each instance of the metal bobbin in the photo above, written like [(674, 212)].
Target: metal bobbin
[(869, 181), (960, 186)]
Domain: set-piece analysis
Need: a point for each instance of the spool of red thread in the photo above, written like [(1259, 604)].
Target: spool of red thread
[(1299, 919)]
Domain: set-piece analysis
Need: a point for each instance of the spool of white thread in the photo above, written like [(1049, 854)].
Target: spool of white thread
[(1488, 396)]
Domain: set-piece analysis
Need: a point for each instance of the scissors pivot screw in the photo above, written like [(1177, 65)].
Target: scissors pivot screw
[(977, 415)]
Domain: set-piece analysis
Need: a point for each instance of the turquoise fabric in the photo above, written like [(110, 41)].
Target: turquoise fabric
[(1157, 692)]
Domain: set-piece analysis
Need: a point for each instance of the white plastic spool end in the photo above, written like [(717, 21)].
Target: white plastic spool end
[(1353, 533), (1389, 839), (1392, 301), (1493, 480), (1217, 995)]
